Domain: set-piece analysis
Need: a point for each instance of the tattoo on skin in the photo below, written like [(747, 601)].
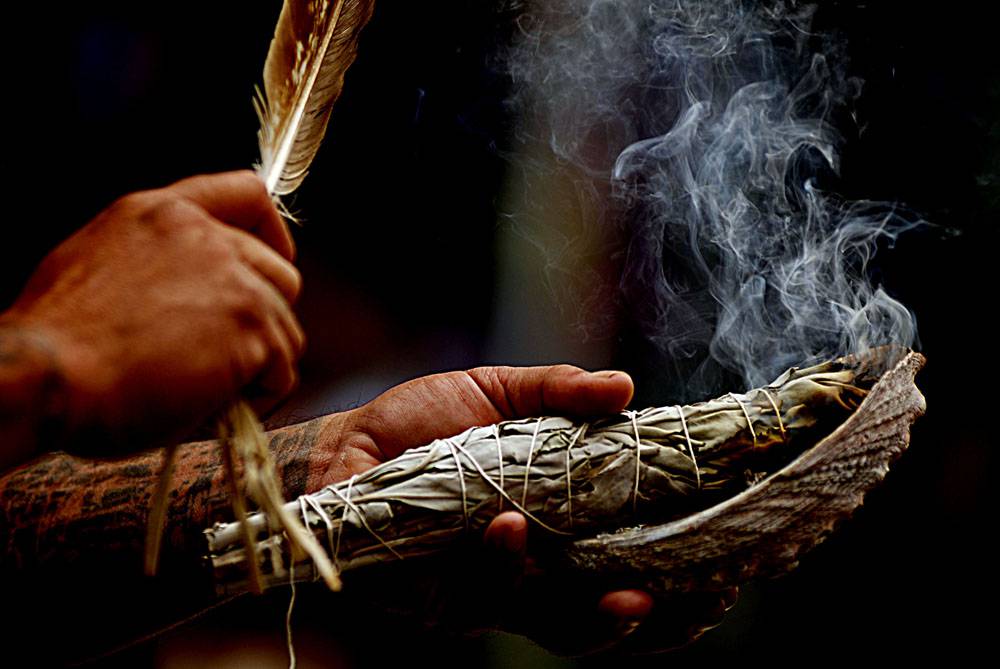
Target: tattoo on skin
[(61, 509)]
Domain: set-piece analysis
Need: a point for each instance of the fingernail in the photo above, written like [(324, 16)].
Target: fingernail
[(610, 374)]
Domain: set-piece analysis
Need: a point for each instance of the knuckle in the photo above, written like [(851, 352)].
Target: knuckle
[(505, 375), (132, 202), (248, 314), (497, 385), (490, 376), (127, 208), (170, 213), (249, 359), (254, 186), (216, 250), (251, 188), (485, 378), (247, 304)]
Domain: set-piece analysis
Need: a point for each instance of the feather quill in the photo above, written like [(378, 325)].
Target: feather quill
[(314, 44)]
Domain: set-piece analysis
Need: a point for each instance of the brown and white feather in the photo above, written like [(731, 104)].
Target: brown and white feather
[(314, 44)]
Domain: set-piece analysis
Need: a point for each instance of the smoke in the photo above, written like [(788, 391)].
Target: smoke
[(715, 122)]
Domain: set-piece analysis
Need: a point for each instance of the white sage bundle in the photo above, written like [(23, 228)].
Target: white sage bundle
[(569, 478)]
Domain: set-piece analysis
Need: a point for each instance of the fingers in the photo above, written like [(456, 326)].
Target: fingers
[(276, 343), (567, 620), (255, 229), (567, 390), (507, 536), (279, 376), (268, 263), (626, 605), (529, 391), (509, 532), (240, 200)]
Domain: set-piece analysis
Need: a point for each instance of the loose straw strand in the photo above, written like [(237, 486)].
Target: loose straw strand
[(158, 510), (240, 511), (248, 439), (288, 615)]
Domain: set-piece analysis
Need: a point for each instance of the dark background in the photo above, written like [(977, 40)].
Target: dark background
[(409, 269)]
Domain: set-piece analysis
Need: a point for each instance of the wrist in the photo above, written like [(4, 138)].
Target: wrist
[(33, 394), (304, 451)]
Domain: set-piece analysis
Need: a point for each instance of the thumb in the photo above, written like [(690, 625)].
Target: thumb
[(565, 389)]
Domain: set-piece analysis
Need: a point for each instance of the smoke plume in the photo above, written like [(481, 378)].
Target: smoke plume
[(715, 123)]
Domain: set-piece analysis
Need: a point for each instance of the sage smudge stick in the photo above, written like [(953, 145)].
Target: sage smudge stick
[(570, 478)]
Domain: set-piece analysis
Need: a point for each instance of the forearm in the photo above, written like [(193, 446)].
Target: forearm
[(61, 509), (72, 534)]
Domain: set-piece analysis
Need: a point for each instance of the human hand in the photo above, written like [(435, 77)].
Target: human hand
[(164, 309), (432, 407), (573, 617), (439, 406)]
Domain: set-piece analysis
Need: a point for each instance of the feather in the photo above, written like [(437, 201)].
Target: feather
[(314, 43)]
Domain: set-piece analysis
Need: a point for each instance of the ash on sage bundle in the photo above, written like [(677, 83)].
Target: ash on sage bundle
[(570, 478)]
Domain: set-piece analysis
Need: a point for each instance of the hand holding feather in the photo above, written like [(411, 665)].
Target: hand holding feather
[(169, 305)]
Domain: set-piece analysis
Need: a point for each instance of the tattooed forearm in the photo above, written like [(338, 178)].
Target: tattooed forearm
[(61, 508), (31, 394), (72, 533)]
